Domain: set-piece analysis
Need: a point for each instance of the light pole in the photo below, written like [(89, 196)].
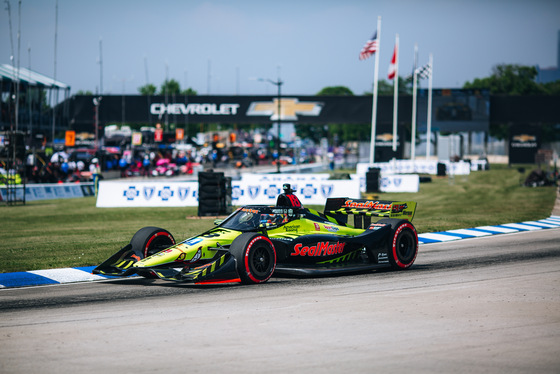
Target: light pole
[(278, 83), (96, 103)]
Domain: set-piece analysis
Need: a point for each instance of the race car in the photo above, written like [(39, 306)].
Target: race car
[(257, 241)]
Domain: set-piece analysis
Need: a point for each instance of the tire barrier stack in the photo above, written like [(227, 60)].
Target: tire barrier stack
[(214, 194), (372, 180), (441, 169)]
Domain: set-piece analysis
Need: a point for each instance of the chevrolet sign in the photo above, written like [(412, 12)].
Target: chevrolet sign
[(159, 109)]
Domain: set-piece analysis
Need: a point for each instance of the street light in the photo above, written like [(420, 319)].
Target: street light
[(278, 83), (96, 103)]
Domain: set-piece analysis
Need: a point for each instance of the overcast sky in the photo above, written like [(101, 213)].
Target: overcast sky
[(217, 46)]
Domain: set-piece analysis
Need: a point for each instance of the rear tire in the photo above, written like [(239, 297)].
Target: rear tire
[(402, 247), (255, 257)]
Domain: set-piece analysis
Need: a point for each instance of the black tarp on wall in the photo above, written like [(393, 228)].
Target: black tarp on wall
[(452, 110), (115, 109), (525, 109)]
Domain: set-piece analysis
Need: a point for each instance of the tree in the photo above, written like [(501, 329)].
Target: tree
[(170, 87), (85, 93), (147, 90), (335, 91), (189, 92), (507, 79), (552, 88), (385, 88)]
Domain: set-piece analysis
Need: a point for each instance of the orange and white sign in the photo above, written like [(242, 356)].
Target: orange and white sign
[(70, 138), (179, 134)]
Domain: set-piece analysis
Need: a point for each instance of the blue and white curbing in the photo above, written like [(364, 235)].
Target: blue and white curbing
[(446, 236), (83, 274)]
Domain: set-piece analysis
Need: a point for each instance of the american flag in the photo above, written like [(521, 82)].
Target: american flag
[(370, 47)]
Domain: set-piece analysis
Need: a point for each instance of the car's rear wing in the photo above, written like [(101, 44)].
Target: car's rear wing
[(341, 207)]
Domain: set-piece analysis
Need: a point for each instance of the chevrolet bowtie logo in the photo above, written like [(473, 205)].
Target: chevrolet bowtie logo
[(525, 138), (384, 137), (290, 109)]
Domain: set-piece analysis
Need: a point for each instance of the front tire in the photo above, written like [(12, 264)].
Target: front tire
[(402, 248), (150, 240), (255, 256)]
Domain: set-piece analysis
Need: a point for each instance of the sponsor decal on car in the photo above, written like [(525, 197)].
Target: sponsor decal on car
[(193, 241), (320, 249), (397, 208), (331, 228), (291, 228), (366, 205)]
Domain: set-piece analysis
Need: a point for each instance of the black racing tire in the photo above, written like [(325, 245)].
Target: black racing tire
[(402, 247), (150, 240), (255, 257)]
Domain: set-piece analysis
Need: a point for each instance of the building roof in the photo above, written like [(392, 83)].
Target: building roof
[(30, 77)]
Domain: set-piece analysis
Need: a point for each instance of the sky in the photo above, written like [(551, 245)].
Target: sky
[(223, 47)]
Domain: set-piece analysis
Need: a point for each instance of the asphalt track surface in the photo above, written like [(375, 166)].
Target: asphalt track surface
[(488, 304)]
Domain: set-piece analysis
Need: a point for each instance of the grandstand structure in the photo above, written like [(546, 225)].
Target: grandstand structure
[(26, 120)]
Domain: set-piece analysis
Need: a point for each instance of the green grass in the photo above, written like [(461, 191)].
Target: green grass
[(482, 198), (73, 232)]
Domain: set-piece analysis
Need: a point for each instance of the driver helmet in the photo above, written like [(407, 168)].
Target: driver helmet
[(287, 188), (246, 217)]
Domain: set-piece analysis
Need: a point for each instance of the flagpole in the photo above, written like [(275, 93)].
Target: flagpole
[(429, 130), (414, 87), (374, 104), (396, 95)]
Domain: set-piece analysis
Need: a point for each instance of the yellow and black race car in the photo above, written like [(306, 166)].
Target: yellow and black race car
[(257, 241)]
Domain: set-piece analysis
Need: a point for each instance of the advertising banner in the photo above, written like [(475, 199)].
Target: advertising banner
[(311, 191), (524, 143), (392, 182), (258, 190), (157, 193), (420, 167)]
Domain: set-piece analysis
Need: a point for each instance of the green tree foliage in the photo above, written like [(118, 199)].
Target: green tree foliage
[(170, 87), (189, 92), (147, 90), (385, 88), (509, 80), (335, 91), (552, 88)]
